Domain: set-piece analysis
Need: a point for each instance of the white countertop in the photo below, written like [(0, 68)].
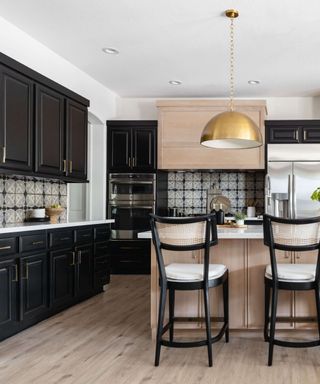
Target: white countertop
[(251, 232), (24, 227)]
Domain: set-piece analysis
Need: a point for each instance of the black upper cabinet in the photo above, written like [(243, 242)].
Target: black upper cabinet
[(43, 125), (132, 146), (34, 292), (50, 132), (16, 121), (293, 131), (77, 132)]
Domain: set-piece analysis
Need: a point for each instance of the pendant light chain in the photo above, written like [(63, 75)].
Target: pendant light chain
[(232, 86)]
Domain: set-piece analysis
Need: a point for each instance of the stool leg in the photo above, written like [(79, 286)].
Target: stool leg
[(171, 313), (266, 310), (273, 323), (317, 293), (226, 307), (163, 292), (208, 323)]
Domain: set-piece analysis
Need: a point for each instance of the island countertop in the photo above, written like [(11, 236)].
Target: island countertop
[(251, 232), (24, 227)]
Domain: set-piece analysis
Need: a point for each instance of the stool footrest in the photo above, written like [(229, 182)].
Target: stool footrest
[(295, 344)]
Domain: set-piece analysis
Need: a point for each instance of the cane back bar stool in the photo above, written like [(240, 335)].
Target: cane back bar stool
[(187, 234), (299, 235)]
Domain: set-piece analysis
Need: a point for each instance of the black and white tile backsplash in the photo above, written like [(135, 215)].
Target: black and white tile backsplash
[(20, 194), (187, 191)]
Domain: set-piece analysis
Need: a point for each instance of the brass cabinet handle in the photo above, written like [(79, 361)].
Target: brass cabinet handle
[(80, 258), (26, 277), (133, 161), (37, 242), (64, 165), (86, 235), (297, 135), (15, 280), (5, 247), (129, 160), (64, 238), (4, 154), (73, 259), (305, 135), (70, 166)]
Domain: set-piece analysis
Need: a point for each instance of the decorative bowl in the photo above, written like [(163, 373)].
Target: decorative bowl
[(54, 214)]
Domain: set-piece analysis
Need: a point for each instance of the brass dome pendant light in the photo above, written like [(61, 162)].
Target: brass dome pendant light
[(231, 129)]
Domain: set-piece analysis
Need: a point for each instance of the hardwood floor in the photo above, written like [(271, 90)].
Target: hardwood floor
[(106, 340)]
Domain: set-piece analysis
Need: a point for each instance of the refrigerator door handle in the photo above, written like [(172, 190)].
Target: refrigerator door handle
[(294, 197), (290, 205)]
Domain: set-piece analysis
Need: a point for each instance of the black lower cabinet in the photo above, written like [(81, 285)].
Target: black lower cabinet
[(62, 277), (8, 297), (130, 256), (70, 266), (34, 285), (84, 275)]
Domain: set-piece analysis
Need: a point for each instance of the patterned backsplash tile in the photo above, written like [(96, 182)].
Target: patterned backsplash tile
[(19, 194), (187, 191)]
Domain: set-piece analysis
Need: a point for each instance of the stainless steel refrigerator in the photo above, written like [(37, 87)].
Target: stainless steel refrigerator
[(293, 173)]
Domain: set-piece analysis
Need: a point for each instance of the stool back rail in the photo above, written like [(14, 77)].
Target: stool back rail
[(293, 235), (188, 234)]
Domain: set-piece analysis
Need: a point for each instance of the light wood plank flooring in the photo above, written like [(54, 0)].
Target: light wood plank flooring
[(107, 340)]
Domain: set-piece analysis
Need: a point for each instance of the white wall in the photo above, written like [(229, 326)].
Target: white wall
[(277, 107)]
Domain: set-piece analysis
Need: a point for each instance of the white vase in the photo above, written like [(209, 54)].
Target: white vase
[(240, 222)]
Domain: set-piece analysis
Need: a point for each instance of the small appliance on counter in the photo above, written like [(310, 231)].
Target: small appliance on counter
[(37, 215)]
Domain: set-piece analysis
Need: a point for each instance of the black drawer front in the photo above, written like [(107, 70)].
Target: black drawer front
[(33, 242), (284, 134), (102, 263), (61, 238), (102, 233), (83, 235), (100, 249), (8, 246)]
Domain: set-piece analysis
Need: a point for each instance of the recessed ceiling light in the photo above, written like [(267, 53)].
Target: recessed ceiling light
[(254, 82), (175, 82), (110, 51)]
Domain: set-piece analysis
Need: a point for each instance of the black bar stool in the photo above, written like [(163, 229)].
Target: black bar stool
[(187, 234), (299, 235)]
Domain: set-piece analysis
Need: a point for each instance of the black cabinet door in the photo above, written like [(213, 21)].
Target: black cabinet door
[(143, 150), (34, 285), (285, 134), (85, 270), (16, 121), (49, 132), (311, 134), (76, 133), (8, 296), (119, 149), (62, 277)]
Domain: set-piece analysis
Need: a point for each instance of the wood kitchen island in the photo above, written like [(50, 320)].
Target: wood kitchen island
[(245, 255)]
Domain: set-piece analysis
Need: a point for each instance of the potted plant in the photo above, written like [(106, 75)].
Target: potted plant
[(316, 195), (239, 216)]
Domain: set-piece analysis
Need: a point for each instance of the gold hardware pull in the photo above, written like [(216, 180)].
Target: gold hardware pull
[(129, 160), (15, 274), (133, 161), (305, 135), (26, 277), (297, 135), (4, 154), (64, 238), (64, 165), (80, 257), (70, 166), (86, 235), (298, 257), (37, 242), (5, 247), (73, 259)]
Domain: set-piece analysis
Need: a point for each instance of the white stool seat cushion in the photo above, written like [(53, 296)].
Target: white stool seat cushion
[(293, 272), (193, 272)]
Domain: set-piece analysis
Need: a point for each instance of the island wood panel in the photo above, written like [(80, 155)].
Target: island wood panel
[(179, 132), (258, 258), (231, 253), (305, 304)]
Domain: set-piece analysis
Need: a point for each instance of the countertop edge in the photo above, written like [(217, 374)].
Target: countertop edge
[(38, 227)]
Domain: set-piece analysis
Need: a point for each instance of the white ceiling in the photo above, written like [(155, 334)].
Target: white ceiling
[(277, 42)]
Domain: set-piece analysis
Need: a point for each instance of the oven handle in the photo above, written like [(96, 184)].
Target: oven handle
[(114, 181), (132, 206)]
